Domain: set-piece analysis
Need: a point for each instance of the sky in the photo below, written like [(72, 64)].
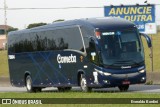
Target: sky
[(22, 18)]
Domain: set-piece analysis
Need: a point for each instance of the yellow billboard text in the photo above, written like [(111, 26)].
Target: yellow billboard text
[(140, 13)]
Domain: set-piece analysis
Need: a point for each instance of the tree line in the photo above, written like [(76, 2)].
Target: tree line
[(33, 25)]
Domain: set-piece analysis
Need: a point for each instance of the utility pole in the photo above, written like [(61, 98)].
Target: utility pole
[(5, 17), (5, 22)]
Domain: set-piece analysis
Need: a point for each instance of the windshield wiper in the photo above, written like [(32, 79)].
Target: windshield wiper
[(122, 61), (125, 62), (128, 62), (139, 63)]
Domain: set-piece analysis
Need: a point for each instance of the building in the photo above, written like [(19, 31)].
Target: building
[(3, 37)]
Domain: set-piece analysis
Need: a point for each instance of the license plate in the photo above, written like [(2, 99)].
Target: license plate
[(126, 82)]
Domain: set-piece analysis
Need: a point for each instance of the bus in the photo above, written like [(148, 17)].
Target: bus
[(90, 53)]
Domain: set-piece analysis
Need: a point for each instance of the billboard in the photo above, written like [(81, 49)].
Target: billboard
[(142, 15)]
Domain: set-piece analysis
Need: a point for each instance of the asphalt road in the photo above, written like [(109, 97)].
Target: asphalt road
[(133, 88)]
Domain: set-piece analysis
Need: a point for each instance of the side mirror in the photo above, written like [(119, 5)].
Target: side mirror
[(148, 39), (149, 42)]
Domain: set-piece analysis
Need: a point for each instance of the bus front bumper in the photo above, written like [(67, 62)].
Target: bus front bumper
[(114, 80)]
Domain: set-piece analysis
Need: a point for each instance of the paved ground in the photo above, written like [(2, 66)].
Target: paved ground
[(133, 88), (4, 81)]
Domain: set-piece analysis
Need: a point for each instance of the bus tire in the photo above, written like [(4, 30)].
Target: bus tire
[(29, 86), (83, 84), (123, 88)]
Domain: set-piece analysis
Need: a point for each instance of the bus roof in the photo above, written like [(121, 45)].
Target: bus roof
[(105, 23), (110, 23)]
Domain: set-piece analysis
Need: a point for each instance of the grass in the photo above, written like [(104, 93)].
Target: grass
[(79, 95), (156, 53), (3, 64)]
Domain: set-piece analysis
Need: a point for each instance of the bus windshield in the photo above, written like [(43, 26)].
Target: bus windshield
[(120, 48)]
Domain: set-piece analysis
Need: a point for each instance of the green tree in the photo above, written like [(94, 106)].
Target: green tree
[(11, 29), (59, 20), (35, 25)]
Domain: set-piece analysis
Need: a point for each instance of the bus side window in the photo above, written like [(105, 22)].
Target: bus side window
[(93, 55)]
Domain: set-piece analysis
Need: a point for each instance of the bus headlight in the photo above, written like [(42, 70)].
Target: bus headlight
[(103, 73), (107, 74), (142, 71)]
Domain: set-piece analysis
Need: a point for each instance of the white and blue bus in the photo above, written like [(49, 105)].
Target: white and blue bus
[(90, 53)]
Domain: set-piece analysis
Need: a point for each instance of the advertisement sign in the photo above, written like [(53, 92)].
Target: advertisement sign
[(142, 15)]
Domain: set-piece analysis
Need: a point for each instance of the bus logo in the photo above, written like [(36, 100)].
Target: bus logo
[(125, 67), (66, 59)]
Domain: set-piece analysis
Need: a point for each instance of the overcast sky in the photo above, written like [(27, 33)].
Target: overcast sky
[(21, 18)]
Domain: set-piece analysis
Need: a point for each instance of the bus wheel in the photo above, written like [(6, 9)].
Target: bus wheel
[(29, 86), (83, 84), (123, 88)]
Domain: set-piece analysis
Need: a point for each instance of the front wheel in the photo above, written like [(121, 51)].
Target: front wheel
[(123, 88), (83, 84), (29, 86)]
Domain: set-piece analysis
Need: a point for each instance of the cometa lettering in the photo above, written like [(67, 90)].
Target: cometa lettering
[(66, 59)]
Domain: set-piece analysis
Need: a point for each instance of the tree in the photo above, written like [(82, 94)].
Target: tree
[(59, 20), (35, 25), (11, 29)]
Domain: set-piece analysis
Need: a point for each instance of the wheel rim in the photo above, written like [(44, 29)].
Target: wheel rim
[(83, 84), (28, 83)]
